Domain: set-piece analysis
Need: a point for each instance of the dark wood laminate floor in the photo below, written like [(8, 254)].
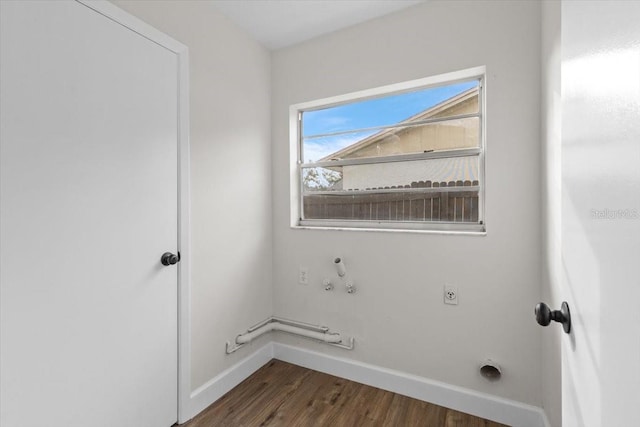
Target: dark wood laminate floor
[(282, 394)]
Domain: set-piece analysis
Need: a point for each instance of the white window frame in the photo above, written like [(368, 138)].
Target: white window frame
[(297, 165)]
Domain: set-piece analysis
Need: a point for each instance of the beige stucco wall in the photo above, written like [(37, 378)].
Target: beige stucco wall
[(446, 135)]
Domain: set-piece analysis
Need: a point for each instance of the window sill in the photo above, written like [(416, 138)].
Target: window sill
[(472, 230)]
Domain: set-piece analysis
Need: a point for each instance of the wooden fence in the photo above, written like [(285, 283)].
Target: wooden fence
[(453, 201)]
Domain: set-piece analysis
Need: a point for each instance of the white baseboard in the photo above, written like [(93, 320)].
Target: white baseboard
[(215, 388), (483, 405), (461, 399)]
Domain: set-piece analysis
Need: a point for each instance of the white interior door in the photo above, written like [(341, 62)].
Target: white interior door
[(601, 212), (88, 205)]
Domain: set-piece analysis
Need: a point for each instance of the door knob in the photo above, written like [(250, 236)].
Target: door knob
[(169, 259), (544, 315)]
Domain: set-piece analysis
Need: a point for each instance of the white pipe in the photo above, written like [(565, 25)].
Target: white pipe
[(320, 336), (328, 337), (250, 336), (340, 267)]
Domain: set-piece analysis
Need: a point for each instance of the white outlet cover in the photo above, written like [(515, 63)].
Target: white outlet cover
[(450, 294)]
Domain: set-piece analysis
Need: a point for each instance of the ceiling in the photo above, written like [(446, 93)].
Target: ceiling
[(281, 23)]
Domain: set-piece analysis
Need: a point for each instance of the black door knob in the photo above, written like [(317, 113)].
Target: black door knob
[(169, 259), (544, 315)]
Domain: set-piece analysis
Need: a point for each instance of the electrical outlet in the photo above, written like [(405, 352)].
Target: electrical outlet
[(303, 275), (450, 295)]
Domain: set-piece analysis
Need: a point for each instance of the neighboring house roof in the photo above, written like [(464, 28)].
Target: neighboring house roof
[(432, 112)]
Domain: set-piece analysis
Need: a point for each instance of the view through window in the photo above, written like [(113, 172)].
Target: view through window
[(410, 159)]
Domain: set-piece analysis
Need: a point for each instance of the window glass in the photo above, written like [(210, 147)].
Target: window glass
[(448, 134), (410, 157), (393, 109)]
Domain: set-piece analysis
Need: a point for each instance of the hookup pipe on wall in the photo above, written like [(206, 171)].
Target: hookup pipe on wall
[(275, 324)]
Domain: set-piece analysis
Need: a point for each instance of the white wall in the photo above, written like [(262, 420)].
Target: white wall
[(552, 273), (397, 315), (230, 170)]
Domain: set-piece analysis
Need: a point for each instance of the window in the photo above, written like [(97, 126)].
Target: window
[(406, 156)]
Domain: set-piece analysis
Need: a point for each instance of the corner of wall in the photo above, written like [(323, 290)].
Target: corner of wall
[(231, 205)]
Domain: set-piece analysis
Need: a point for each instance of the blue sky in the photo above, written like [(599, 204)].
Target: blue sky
[(373, 112)]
